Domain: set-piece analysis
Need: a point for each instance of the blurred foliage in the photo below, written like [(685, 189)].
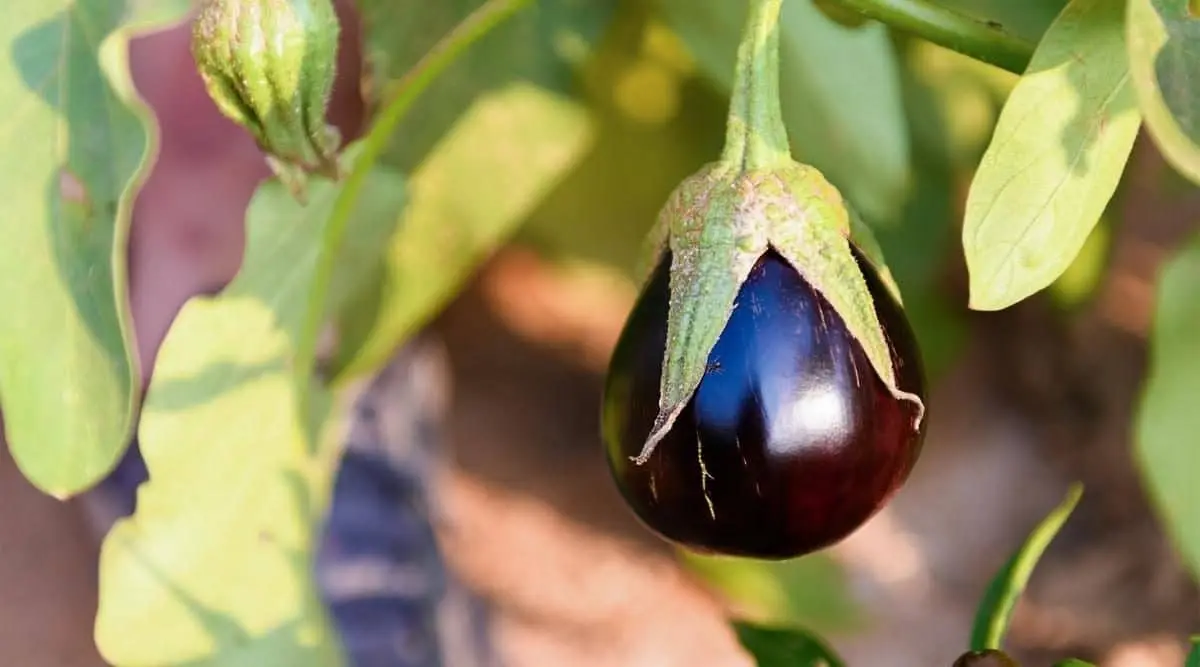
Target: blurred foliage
[(1079, 282), (1167, 420), (544, 44), (605, 207), (804, 592), (508, 150)]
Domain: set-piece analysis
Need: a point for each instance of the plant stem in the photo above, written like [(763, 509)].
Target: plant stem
[(755, 134), (983, 40), (400, 99)]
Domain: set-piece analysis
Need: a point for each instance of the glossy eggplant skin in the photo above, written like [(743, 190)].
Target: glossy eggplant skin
[(790, 443)]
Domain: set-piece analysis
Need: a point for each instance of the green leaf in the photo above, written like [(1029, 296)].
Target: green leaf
[(79, 144), (1164, 58), (216, 565), (1167, 419), (996, 608), (803, 592), (482, 180), (1073, 662), (779, 647), (544, 45), (842, 104), (1055, 160), (1193, 659)]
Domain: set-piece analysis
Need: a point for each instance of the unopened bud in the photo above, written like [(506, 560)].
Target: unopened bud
[(270, 65)]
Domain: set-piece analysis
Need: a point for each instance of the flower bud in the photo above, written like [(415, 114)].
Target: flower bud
[(270, 66)]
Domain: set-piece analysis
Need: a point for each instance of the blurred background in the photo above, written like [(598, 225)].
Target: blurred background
[(1025, 400)]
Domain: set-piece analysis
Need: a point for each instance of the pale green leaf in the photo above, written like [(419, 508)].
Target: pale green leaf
[(78, 142), (1164, 58), (482, 180), (996, 608), (785, 647), (1168, 423), (841, 95), (216, 565), (1056, 158)]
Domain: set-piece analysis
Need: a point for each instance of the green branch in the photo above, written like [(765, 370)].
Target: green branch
[(755, 134), (400, 99), (983, 40)]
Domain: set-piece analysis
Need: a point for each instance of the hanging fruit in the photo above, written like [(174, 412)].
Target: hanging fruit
[(766, 396)]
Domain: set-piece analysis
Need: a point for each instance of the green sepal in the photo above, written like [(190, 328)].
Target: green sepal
[(812, 230), (864, 239), (269, 65), (715, 234)]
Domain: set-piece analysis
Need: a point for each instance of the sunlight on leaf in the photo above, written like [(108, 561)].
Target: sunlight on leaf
[(996, 608), (1164, 57), (507, 152), (841, 94), (68, 371), (1055, 160), (216, 563), (779, 647), (809, 591), (544, 45), (1168, 422)]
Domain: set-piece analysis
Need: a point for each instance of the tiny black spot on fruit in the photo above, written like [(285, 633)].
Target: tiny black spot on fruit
[(986, 658), (790, 443)]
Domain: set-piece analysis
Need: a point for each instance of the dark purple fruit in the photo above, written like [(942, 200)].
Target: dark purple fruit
[(790, 443), (986, 658)]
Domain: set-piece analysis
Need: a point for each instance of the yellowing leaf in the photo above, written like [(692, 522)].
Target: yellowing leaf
[(1056, 158), (477, 185), (216, 564)]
